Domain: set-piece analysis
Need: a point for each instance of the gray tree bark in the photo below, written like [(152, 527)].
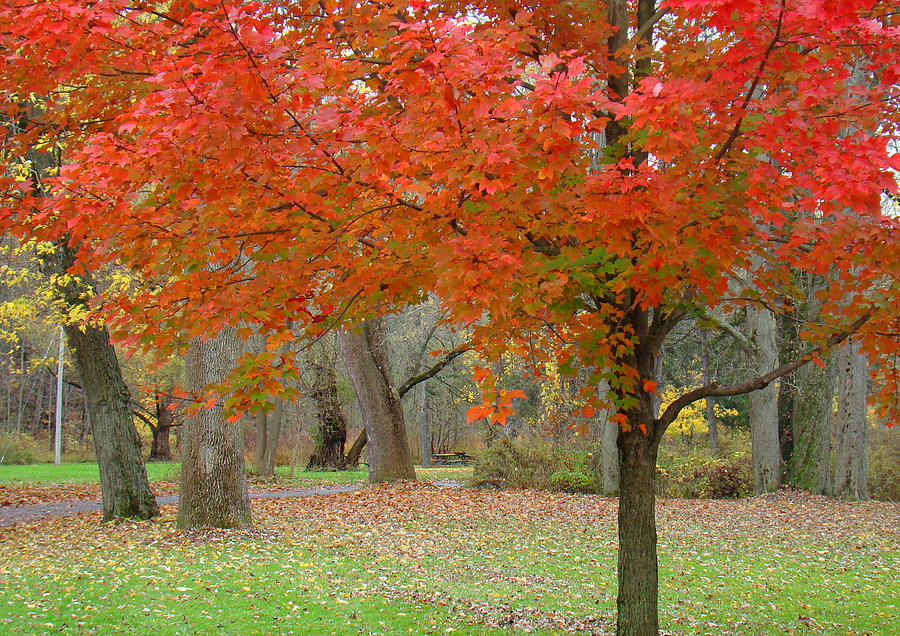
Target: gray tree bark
[(213, 476), (274, 421), (123, 476), (711, 423), (609, 451), (425, 427), (260, 428), (851, 431), (765, 446), (362, 350), (811, 456)]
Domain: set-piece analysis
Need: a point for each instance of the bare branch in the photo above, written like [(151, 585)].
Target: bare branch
[(714, 390), (433, 370)]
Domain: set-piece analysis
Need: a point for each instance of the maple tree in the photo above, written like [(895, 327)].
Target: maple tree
[(586, 174)]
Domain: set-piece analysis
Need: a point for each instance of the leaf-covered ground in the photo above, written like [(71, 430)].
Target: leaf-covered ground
[(426, 559)]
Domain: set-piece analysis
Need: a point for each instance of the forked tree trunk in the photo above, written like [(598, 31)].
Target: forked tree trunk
[(123, 476), (849, 477), (160, 449), (765, 446), (363, 352), (330, 433), (637, 601), (213, 477)]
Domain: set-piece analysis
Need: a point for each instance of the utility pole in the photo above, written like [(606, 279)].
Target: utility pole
[(57, 455)]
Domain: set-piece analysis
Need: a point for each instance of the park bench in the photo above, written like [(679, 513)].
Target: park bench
[(450, 459)]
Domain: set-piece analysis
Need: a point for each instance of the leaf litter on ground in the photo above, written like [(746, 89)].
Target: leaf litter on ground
[(514, 561)]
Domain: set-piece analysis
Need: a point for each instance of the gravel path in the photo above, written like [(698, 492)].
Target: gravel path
[(11, 514)]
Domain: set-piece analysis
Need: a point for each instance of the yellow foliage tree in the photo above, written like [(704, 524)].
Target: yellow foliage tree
[(692, 419)]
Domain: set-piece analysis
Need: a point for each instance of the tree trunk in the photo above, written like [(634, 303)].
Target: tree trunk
[(609, 451), (849, 477), (261, 438), (213, 476), (425, 427), (160, 450), (356, 450), (362, 350), (330, 434), (765, 446), (637, 601), (274, 419), (811, 453), (711, 424), (123, 476)]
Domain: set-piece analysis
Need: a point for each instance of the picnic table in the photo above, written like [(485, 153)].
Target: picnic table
[(449, 459)]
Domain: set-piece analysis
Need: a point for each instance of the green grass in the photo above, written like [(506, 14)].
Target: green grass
[(89, 473), (73, 473), (433, 576)]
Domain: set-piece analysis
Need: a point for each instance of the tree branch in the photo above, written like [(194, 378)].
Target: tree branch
[(433, 370), (714, 390)]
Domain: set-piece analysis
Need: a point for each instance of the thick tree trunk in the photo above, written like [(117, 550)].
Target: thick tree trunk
[(362, 350), (851, 431), (637, 601), (213, 476), (330, 434), (123, 477), (765, 446), (811, 448)]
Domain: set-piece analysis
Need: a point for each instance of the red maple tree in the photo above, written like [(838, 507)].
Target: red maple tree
[(571, 179)]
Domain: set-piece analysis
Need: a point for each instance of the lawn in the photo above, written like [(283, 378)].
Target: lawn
[(425, 559), (88, 473)]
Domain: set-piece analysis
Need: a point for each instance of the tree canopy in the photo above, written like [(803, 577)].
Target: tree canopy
[(262, 162)]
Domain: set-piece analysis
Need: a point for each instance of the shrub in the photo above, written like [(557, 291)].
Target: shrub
[(516, 463), (24, 449), (695, 474), (572, 481), (884, 465), (532, 462)]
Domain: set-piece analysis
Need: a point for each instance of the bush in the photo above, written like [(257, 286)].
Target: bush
[(696, 477), (691, 472), (534, 463), (684, 471), (571, 481), (24, 449), (884, 465)]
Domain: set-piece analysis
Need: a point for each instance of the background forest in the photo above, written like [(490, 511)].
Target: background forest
[(707, 452)]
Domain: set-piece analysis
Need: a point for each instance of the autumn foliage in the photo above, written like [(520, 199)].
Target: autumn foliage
[(258, 163)]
